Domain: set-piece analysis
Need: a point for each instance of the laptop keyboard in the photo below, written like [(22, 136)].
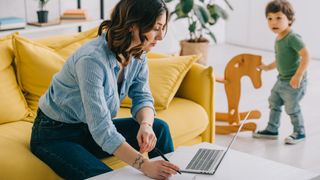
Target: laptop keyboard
[(205, 159)]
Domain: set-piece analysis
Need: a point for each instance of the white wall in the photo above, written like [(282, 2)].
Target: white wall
[(247, 25)]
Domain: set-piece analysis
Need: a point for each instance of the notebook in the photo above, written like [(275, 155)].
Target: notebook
[(203, 160)]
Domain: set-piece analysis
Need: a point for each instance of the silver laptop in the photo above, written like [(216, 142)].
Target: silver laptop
[(203, 161)]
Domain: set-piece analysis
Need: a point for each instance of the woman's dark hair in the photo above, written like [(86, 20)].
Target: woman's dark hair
[(142, 13), (281, 6)]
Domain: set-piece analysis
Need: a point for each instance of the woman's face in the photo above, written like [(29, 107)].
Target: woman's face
[(152, 37)]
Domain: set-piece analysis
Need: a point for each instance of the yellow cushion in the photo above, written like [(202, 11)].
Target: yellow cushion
[(65, 45), (157, 55), (17, 161), (187, 118), (37, 61), (13, 106), (165, 77), (36, 64)]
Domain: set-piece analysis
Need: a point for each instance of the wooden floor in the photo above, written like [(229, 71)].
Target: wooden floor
[(304, 155)]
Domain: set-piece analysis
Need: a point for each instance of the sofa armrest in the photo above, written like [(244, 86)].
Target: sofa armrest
[(198, 86)]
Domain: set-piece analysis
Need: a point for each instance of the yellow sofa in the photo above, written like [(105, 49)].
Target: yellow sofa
[(189, 113)]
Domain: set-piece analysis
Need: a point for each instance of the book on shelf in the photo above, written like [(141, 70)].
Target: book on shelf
[(74, 14), (74, 11), (8, 23), (73, 17)]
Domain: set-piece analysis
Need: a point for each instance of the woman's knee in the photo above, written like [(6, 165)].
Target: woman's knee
[(159, 123)]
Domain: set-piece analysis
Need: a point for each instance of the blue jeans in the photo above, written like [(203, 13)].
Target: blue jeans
[(71, 152), (283, 94)]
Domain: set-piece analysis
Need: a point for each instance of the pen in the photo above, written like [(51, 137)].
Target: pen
[(162, 155)]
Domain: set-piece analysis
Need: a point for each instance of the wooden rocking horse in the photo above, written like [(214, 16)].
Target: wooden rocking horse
[(238, 66)]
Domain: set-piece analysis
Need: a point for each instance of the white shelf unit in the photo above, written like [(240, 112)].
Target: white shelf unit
[(35, 29), (30, 29)]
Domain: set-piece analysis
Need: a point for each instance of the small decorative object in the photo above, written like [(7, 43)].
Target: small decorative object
[(42, 13), (201, 15)]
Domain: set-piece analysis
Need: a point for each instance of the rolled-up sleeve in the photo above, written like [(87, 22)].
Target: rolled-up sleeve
[(91, 78), (139, 90)]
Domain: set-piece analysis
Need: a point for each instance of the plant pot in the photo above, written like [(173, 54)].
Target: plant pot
[(42, 16), (190, 48)]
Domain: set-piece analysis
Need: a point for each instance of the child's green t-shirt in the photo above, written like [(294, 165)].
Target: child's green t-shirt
[(287, 55)]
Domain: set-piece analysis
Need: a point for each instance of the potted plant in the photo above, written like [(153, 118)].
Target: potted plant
[(42, 13), (201, 15)]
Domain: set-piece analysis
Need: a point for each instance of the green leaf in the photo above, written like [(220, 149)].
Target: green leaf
[(202, 14), (178, 11), (212, 21), (216, 12), (193, 27), (186, 5)]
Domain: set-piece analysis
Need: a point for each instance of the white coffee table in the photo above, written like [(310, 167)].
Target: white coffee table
[(236, 165)]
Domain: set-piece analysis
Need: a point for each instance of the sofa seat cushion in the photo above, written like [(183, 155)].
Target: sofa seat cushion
[(17, 161), (187, 119)]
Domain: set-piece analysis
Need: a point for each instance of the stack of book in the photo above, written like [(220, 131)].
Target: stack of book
[(74, 14), (7, 23)]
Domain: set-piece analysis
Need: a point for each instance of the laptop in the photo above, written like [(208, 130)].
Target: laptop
[(202, 160)]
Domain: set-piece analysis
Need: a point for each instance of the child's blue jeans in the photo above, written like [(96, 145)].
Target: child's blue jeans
[(283, 94), (71, 152)]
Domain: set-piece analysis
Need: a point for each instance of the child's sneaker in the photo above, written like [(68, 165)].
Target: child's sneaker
[(265, 134), (295, 138)]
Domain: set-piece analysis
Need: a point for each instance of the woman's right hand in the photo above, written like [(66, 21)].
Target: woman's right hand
[(159, 169)]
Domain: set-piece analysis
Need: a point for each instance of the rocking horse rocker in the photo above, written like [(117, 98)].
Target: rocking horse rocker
[(238, 66)]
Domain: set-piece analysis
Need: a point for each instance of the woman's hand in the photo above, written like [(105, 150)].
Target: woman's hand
[(146, 138), (159, 169)]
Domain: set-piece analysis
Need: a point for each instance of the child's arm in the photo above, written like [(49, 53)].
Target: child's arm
[(296, 79), (268, 67)]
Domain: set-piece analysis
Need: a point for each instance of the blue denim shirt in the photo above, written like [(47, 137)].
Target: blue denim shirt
[(86, 90)]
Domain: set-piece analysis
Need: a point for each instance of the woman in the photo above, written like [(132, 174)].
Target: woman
[(74, 127)]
